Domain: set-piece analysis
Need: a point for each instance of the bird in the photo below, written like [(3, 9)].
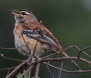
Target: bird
[(28, 33)]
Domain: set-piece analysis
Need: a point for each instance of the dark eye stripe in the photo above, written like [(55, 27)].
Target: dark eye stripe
[(23, 13)]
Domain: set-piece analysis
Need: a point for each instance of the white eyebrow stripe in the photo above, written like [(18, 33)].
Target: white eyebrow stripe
[(25, 12)]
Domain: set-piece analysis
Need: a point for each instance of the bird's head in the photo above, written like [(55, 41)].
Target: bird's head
[(23, 15)]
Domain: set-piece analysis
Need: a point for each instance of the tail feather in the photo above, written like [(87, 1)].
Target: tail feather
[(66, 55)]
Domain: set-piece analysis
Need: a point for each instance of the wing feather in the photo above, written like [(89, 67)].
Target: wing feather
[(40, 35)]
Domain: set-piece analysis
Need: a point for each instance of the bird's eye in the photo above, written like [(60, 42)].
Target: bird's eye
[(23, 13)]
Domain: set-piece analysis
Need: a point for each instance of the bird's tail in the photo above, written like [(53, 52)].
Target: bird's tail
[(66, 55)]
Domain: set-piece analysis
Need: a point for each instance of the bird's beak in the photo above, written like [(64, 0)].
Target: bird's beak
[(15, 12)]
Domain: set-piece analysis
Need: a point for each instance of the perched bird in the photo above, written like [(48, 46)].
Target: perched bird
[(28, 32)]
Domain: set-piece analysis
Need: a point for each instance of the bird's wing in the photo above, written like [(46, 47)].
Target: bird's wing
[(41, 34)]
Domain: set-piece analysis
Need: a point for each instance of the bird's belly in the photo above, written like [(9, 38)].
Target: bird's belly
[(26, 44)]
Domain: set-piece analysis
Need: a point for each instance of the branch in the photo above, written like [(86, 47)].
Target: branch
[(28, 70), (37, 70), (65, 58), (44, 60), (75, 71), (10, 58), (18, 69), (50, 71), (7, 48), (83, 50), (60, 73)]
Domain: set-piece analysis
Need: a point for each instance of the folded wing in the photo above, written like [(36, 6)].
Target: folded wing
[(40, 35)]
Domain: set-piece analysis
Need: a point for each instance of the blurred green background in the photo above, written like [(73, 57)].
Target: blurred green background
[(68, 20)]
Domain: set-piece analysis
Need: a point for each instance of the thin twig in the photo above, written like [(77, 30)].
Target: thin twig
[(8, 72), (60, 73), (57, 53), (83, 50), (29, 74), (50, 71), (62, 51), (8, 68), (66, 58), (37, 70), (7, 48), (86, 54), (75, 71), (26, 43), (69, 48), (29, 69), (18, 69), (10, 58)]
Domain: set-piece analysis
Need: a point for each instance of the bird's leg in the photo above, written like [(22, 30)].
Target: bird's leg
[(37, 57), (32, 56)]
